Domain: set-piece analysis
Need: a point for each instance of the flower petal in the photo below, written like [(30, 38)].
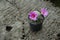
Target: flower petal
[(33, 15), (44, 12), (33, 18)]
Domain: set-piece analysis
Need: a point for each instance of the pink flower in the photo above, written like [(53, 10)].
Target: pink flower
[(33, 15), (44, 12)]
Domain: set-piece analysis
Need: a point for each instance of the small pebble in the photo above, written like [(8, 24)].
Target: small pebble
[(8, 28), (22, 36), (23, 23), (58, 35)]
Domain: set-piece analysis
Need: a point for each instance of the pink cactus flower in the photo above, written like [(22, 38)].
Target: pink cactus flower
[(44, 12), (33, 15)]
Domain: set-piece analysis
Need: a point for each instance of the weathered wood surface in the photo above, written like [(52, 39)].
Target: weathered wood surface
[(14, 12)]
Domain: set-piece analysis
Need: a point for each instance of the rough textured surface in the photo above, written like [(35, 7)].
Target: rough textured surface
[(14, 12)]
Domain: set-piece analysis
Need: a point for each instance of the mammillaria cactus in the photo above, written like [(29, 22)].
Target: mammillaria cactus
[(36, 16)]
